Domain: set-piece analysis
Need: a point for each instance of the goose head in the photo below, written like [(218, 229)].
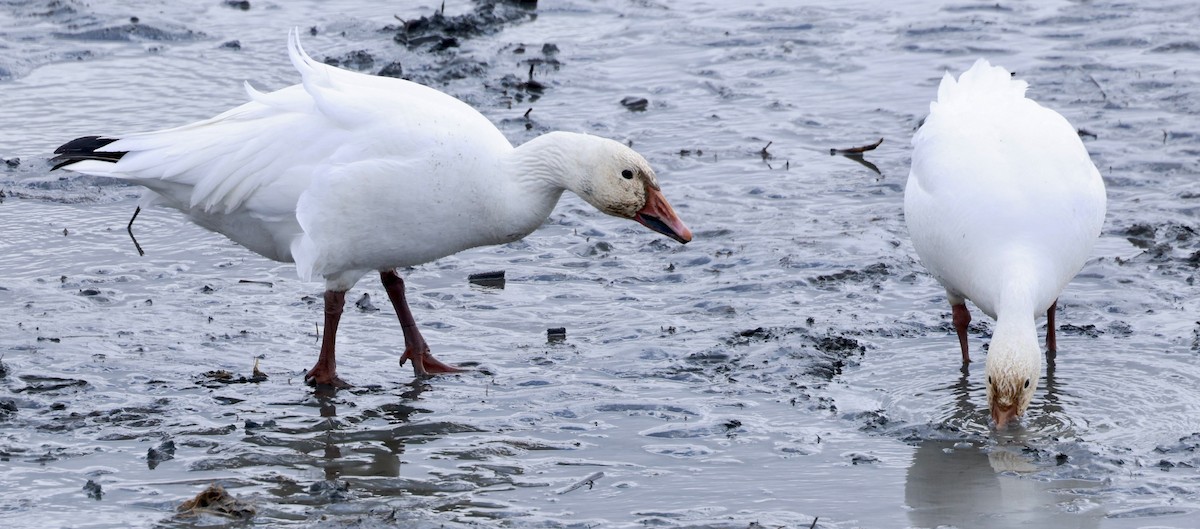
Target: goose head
[(622, 184), (1012, 377), (616, 180)]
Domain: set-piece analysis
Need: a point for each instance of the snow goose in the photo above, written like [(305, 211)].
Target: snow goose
[(345, 174), (1003, 206)]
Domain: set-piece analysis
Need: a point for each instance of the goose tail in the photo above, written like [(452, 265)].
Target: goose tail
[(982, 82), (87, 148)]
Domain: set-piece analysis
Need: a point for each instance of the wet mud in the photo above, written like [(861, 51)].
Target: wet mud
[(794, 362)]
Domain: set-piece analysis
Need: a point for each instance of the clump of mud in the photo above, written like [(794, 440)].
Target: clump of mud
[(358, 60), (215, 500), (442, 40), (1168, 242), (440, 32)]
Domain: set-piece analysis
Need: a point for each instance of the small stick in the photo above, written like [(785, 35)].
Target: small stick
[(526, 116), (531, 72), (764, 152), (589, 481), (814, 524), (856, 150), (129, 228), (1098, 87)]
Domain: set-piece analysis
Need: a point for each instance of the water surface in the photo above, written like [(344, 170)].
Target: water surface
[(794, 361)]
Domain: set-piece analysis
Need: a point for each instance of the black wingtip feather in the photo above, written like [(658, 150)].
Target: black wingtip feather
[(80, 149)]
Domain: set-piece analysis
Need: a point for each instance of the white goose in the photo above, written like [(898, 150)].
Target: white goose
[(346, 174), (1003, 206)]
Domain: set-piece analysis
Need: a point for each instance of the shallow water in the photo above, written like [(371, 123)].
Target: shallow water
[(794, 361)]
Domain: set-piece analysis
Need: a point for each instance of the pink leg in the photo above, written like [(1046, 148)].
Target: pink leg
[(961, 318), (1051, 343), (415, 348), (325, 372)]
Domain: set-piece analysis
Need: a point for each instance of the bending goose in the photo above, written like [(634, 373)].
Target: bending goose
[(345, 174), (1003, 205)]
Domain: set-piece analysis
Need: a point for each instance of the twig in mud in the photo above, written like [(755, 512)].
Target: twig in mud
[(256, 375), (856, 154), (531, 85), (589, 481), (865, 163), (856, 150), (254, 282), (1103, 94), (129, 228), (487, 279)]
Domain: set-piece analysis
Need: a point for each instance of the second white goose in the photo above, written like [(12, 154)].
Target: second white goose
[(1003, 205)]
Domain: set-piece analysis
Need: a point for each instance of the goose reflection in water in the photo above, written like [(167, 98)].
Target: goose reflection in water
[(371, 453), (977, 484)]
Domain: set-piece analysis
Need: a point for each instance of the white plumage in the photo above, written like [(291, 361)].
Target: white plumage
[(1003, 205), (347, 173)]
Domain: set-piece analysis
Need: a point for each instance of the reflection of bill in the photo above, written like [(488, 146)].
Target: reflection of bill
[(955, 483)]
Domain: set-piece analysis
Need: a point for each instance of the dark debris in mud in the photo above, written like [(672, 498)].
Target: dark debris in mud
[(359, 60), (1163, 243), (874, 273), (635, 104), (8, 408), (93, 490), (219, 377), (821, 356), (132, 32), (164, 451), (440, 40), (440, 32), (1088, 330), (331, 491), (215, 500), (493, 279), (47, 384), (1183, 454)]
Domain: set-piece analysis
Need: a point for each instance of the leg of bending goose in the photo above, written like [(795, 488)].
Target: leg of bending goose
[(1051, 343), (961, 318), (415, 348), (325, 372)]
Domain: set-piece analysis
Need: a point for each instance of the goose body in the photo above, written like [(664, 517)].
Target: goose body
[(345, 174), (1003, 205)]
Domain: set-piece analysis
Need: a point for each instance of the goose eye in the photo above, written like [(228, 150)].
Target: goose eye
[(1027, 383), (627, 174), (989, 380)]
